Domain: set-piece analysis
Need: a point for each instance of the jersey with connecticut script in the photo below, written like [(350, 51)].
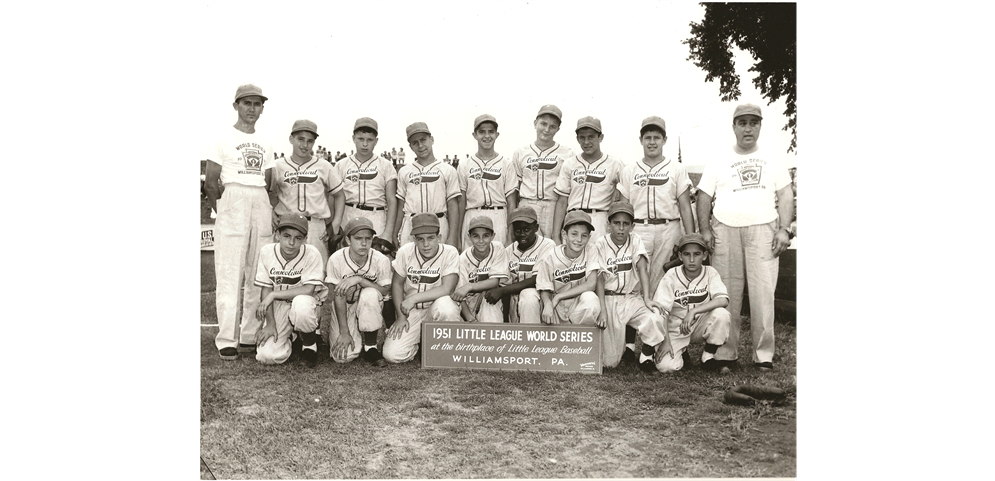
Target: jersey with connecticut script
[(280, 274), (678, 293), (365, 183), (522, 264), (376, 269), (558, 272), (618, 263), (421, 274), (243, 157), (427, 188), (537, 169), (588, 185), (302, 188), (473, 270), (653, 191), (486, 182)]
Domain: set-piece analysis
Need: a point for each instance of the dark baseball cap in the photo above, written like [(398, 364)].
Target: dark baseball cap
[(692, 239), (523, 214), (298, 222), (249, 90), (357, 224), (424, 223), (577, 217), (305, 125)]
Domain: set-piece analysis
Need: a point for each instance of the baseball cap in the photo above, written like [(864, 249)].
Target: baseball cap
[(424, 223), (481, 221), (417, 128), (590, 122), (293, 220), (577, 217), (249, 90), (692, 239), (357, 224), (552, 110), (484, 118), (747, 109), (305, 125), (366, 122), (523, 214), (621, 206), (654, 120)]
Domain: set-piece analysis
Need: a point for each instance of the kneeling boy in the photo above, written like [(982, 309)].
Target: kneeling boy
[(563, 282), (289, 273), (482, 266)]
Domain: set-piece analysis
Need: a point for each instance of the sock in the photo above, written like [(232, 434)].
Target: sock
[(630, 336), (647, 350), (309, 339), (370, 339)]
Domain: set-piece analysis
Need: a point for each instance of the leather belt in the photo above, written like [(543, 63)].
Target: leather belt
[(439, 215), (365, 207), (489, 207), (653, 221), (589, 211)]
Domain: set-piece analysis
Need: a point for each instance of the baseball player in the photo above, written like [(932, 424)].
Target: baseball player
[(563, 282), (427, 185), (537, 166), (520, 294), (625, 298), (370, 180), (289, 274), (425, 274), (482, 266), (694, 299), (753, 208), (587, 181), (359, 277), (308, 186), (238, 177), (487, 180)]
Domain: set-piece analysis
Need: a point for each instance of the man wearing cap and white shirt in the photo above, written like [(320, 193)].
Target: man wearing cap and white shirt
[(537, 166), (239, 175), (429, 186), (587, 181), (370, 180), (748, 231), (487, 180)]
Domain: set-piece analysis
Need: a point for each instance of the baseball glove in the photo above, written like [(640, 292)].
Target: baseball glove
[(385, 247), (748, 395)]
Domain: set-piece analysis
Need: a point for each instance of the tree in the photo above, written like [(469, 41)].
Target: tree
[(767, 31)]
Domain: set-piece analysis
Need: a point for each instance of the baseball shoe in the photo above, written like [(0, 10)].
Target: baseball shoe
[(686, 358), (246, 348), (647, 365), (228, 353), (309, 357), (373, 356), (628, 356), (764, 366), (715, 365)]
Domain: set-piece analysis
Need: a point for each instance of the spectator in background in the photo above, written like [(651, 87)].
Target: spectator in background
[(455, 161), (446, 160), (400, 156)]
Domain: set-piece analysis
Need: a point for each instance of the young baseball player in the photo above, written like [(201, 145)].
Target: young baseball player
[(694, 299), (289, 275), (370, 180), (486, 180), (624, 296), (425, 274), (587, 181), (482, 266), (519, 296), (359, 277), (537, 166), (563, 282), (427, 185), (238, 176), (308, 186)]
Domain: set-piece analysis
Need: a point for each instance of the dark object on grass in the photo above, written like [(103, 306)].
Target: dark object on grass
[(748, 395)]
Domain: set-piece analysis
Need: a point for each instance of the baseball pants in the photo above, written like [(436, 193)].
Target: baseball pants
[(743, 254), (659, 240), (583, 309), (316, 229), (544, 212), (498, 216), (404, 349), (600, 222), (712, 328), (364, 315), (244, 224), (378, 217), (486, 312), (526, 307), (301, 314), (405, 234), (628, 310)]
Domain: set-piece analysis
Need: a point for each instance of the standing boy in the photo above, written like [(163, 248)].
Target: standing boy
[(238, 177), (587, 181), (482, 266), (487, 180), (370, 180), (427, 185), (563, 282), (537, 166), (520, 297)]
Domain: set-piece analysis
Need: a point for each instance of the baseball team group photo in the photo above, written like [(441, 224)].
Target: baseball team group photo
[(578, 292)]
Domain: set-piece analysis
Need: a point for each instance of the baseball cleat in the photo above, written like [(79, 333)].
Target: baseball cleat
[(373, 356), (686, 358), (246, 348), (764, 366), (310, 357), (628, 356), (228, 353)]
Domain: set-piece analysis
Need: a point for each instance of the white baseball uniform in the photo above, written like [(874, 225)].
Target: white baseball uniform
[(366, 313), (365, 188), (678, 293), (302, 189), (526, 306), (590, 186), (486, 186), (557, 272), (420, 275), (653, 193), (624, 302), (473, 270), (299, 314), (244, 222), (537, 170), (426, 189)]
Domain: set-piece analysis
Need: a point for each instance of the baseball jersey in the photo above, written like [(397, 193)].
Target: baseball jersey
[(365, 183), (557, 272), (376, 269), (423, 274), (486, 183), (281, 274), (522, 265), (588, 185), (745, 187), (427, 188), (301, 189), (618, 263), (537, 169), (678, 293), (653, 191), (494, 266), (243, 157)]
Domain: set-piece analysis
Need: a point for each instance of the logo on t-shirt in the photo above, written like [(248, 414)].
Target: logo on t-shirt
[(423, 276), (356, 175), (486, 173), (749, 174), (253, 159), (642, 180), (544, 163)]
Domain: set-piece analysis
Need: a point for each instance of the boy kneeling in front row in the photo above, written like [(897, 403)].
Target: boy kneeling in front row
[(563, 282)]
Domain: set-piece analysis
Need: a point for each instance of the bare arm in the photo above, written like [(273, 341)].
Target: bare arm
[(684, 206), (212, 184), (392, 214), (588, 285), (397, 225), (559, 211), (785, 208), (338, 207), (599, 289), (705, 218), (454, 213), (448, 284)]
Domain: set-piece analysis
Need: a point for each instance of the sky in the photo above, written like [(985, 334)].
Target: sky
[(445, 63)]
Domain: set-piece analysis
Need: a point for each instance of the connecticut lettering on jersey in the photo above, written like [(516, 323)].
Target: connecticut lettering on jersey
[(480, 274), (620, 264), (653, 178), (423, 276), (427, 176), (525, 264), (575, 272), (486, 173), (694, 296), (356, 175), (285, 276), (582, 176), (542, 163), (300, 177)]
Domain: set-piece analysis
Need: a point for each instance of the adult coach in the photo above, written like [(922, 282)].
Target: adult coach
[(239, 175), (748, 232)]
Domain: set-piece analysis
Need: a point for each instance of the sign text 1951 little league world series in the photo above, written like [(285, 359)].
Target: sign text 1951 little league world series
[(512, 347)]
